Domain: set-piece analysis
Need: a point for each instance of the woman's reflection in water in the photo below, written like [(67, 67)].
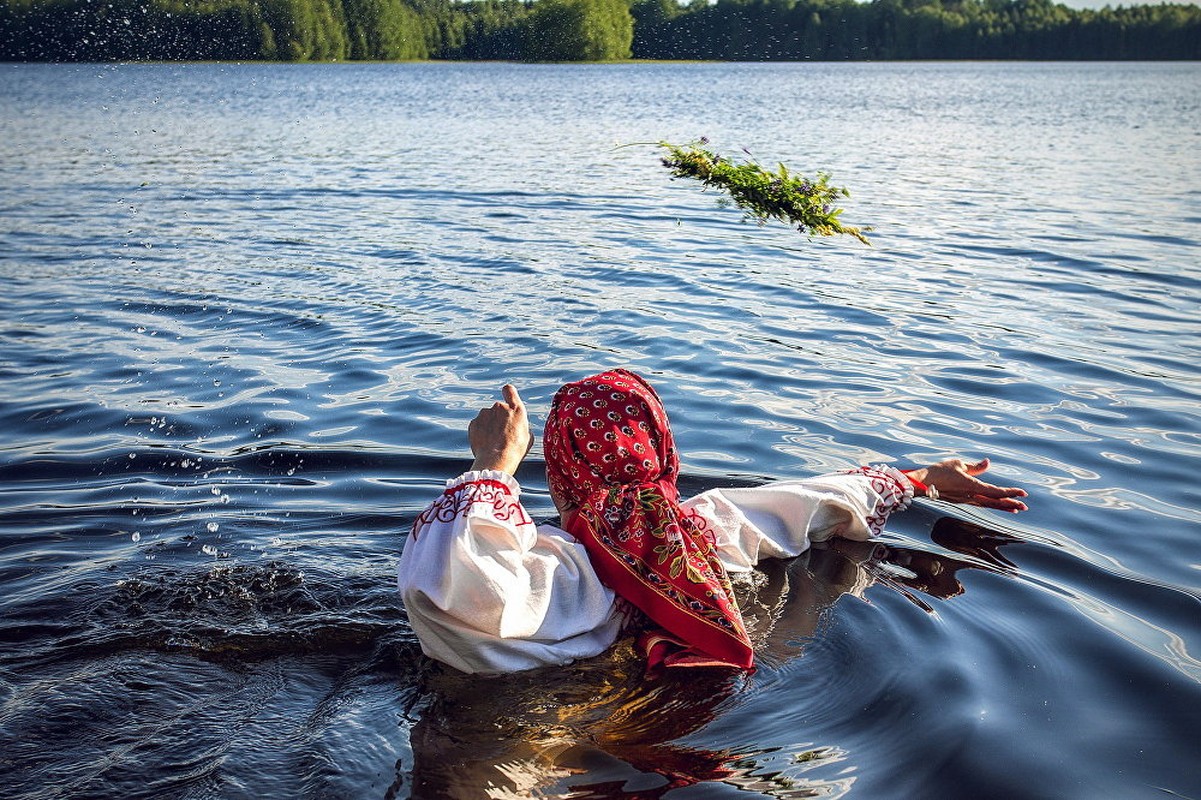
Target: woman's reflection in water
[(537, 733)]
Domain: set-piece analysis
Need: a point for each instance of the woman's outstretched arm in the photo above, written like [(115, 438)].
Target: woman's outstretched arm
[(779, 520)]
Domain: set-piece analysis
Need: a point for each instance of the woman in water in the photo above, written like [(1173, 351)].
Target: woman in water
[(487, 590)]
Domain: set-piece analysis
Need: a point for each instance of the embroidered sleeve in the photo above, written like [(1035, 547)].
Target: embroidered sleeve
[(489, 493), (486, 590), (894, 493)]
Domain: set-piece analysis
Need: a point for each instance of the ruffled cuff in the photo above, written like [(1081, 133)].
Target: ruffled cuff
[(486, 475), (894, 491), (907, 488)]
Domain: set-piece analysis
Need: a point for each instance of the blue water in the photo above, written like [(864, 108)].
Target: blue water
[(248, 311)]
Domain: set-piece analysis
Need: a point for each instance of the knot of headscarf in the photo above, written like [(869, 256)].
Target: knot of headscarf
[(611, 455)]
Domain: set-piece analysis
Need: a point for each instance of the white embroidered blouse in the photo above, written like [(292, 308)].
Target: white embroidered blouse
[(487, 590)]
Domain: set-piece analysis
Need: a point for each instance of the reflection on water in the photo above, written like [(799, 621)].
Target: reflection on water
[(249, 310), (601, 729)]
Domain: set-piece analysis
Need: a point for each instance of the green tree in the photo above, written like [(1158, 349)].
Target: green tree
[(652, 28), (307, 30), (591, 30), (384, 30), (579, 30)]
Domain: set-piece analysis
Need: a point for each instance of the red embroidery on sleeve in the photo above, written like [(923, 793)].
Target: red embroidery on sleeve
[(457, 499), (894, 494)]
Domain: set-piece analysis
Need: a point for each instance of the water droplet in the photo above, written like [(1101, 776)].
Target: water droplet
[(209, 550), (212, 527), (224, 499), (136, 536), (276, 541), (215, 490)]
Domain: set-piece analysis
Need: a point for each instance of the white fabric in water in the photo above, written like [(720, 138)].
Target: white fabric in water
[(488, 591)]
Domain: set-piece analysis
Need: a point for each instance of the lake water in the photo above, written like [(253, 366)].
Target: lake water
[(249, 310)]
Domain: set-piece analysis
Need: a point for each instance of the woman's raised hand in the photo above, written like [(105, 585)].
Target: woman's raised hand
[(956, 482), (500, 434)]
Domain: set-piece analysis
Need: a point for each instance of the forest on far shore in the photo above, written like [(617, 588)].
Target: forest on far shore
[(590, 30)]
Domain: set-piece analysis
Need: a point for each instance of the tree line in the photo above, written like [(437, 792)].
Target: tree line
[(590, 30)]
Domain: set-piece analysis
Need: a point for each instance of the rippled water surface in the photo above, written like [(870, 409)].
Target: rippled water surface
[(249, 310)]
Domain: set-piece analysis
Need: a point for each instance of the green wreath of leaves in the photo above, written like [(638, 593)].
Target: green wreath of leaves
[(808, 205)]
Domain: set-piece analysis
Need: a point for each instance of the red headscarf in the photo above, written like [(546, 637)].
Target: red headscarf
[(610, 453)]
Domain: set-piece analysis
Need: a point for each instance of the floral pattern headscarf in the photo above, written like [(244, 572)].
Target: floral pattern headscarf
[(610, 454)]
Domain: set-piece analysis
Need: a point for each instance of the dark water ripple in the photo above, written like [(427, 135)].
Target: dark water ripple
[(249, 310)]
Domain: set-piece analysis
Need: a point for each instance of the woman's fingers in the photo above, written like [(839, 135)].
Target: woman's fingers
[(517, 405), (500, 434), (1009, 503), (1002, 498), (956, 482), (509, 392), (998, 492)]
